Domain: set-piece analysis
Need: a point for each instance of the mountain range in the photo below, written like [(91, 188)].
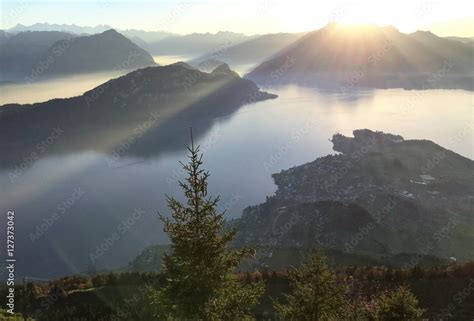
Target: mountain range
[(147, 36), (253, 51), (156, 42), (196, 44), (19, 53), (33, 55), (109, 50), (335, 56), (346, 58), (72, 28)]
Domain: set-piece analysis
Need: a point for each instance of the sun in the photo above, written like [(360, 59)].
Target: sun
[(371, 12), (368, 12), (308, 15), (345, 13)]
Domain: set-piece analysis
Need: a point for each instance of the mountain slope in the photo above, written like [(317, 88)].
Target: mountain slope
[(196, 44), (459, 53), (20, 52), (467, 40), (34, 55), (369, 56), (106, 51), (4, 37), (253, 51)]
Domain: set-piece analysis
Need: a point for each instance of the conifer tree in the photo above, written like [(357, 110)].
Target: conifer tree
[(200, 270), (316, 294), (400, 304)]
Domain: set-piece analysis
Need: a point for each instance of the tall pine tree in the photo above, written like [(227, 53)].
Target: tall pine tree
[(200, 270)]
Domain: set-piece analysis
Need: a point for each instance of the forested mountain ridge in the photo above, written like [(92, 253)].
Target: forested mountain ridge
[(381, 196), (163, 99)]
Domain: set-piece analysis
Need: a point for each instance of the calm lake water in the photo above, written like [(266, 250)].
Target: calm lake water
[(72, 206)]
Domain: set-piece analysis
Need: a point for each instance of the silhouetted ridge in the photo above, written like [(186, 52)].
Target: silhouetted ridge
[(349, 57), (183, 64), (167, 98), (35, 55), (109, 50)]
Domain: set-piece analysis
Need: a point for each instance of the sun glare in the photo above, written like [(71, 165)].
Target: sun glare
[(371, 13), (406, 16)]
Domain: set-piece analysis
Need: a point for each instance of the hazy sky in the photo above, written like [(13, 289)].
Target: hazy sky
[(444, 17)]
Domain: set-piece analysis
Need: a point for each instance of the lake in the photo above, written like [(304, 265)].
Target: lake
[(70, 207)]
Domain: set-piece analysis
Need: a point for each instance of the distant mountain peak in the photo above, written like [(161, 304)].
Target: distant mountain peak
[(223, 68), (111, 31), (183, 64), (109, 50), (424, 32)]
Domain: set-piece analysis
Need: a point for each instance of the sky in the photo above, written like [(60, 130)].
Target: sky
[(443, 17)]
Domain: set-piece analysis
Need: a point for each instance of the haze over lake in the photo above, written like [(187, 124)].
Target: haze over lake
[(241, 151), (28, 93), (63, 87)]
